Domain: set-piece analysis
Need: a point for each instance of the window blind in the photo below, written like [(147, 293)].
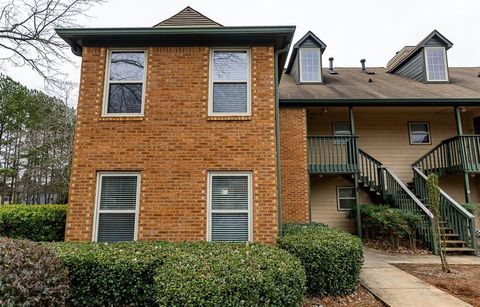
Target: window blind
[(230, 77), (117, 208), (230, 204)]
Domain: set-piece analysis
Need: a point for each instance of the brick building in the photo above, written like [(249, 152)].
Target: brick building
[(190, 130)]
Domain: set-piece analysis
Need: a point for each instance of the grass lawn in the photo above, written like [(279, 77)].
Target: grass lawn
[(463, 282), (360, 298)]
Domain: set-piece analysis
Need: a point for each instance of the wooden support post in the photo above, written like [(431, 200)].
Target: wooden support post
[(466, 179), (356, 175)]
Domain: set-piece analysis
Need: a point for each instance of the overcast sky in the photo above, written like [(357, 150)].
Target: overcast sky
[(352, 29)]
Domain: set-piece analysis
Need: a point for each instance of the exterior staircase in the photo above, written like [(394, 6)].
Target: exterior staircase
[(385, 187)]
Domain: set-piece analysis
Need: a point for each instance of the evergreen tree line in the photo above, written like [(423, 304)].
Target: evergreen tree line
[(36, 136)]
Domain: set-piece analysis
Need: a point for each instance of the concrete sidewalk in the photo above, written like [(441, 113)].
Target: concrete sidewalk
[(397, 288)]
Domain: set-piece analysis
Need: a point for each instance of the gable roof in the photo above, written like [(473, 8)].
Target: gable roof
[(352, 86), (310, 36), (188, 17), (408, 51)]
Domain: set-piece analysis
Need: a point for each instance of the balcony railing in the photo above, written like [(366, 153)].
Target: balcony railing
[(333, 154), (454, 155)]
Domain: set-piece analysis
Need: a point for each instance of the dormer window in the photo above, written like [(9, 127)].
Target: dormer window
[(310, 65), (305, 64), (436, 64)]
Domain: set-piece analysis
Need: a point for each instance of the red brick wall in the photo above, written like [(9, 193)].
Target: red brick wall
[(174, 145), (293, 162)]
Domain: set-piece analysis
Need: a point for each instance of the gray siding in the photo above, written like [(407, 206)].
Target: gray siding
[(309, 42), (294, 71), (413, 69), (435, 42)]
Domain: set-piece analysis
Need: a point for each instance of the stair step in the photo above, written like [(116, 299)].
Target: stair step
[(459, 249), (455, 242), (451, 235)]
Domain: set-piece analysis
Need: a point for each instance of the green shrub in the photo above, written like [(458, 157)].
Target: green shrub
[(116, 274), (231, 275), (331, 257), (33, 222), (381, 222), (196, 273), (470, 207), (31, 275)]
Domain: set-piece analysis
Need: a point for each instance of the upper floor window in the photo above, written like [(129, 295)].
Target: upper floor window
[(436, 64), (125, 83), (310, 65), (342, 129), (419, 133), (229, 82)]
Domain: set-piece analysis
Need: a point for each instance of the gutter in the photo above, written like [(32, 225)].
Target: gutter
[(277, 136), (397, 102)]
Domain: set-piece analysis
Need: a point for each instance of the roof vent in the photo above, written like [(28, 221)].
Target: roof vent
[(364, 69), (370, 80), (363, 65), (331, 70)]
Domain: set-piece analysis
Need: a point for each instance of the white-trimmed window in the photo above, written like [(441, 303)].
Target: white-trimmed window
[(342, 129), (230, 82), (345, 198), (419, 133), (229, 206), (116, 209), (125, 83), (310, 65), (436, 64)]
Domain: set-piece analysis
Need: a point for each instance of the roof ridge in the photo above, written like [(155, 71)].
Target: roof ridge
[(178, 20)]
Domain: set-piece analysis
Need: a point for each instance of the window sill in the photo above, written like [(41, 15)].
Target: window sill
[(121, 118), (229, 118)]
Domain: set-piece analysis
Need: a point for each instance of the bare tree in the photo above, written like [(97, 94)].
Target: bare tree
[(28, 38)]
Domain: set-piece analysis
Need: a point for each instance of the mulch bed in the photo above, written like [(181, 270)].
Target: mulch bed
[(384, 246), (463, 282), (360, 298)]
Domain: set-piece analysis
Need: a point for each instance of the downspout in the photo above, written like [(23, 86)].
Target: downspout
[(277, 136)]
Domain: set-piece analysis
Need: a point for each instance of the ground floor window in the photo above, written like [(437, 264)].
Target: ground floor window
[(345, 198), (229, 206), (116, 210)]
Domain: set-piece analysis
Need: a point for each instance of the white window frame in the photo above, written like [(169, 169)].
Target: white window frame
[(248, 81), (429, 132), (444, 63), (319, 65), (107, 82), (97, 212), (210, 211), (340, 198)]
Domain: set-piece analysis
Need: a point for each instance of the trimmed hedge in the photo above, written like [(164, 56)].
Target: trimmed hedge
[(231, 275), (331, 257), (31, 275), (116, 274), (198, 273), (33, 222)]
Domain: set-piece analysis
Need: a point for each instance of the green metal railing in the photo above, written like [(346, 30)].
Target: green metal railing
[(370, 171), (397, 193), (462, 221), (454, 155), (333, 154)]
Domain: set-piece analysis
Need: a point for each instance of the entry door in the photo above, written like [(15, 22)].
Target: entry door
[(476, 125)]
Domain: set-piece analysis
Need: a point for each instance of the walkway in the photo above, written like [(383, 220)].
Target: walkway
[(397, 288)]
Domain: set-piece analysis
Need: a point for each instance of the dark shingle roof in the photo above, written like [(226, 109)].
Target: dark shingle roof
[(188, 17), (351, 83)]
